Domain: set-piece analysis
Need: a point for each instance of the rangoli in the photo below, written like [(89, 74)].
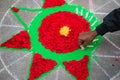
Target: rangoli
[(52, 38)]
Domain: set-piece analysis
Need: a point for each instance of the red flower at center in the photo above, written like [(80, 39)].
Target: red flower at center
[(59, 31)]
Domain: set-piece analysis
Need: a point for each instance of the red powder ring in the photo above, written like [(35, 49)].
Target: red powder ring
[(49, 34)]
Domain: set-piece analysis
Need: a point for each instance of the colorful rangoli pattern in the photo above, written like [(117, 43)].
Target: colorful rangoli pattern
[(52, 37)]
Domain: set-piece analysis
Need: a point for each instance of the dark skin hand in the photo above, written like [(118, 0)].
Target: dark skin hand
[(87, 37)]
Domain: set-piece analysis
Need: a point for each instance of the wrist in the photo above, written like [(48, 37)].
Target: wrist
[(102, 29)]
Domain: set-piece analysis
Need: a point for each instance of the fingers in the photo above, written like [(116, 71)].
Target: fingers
[(82, 47), (80, 41), (81, 44), (86, 38), (85, 43)]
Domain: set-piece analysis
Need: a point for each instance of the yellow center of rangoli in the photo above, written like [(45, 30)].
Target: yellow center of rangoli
[(65, 30)]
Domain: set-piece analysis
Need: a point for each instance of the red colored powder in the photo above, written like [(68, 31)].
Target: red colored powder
[(15, 9), (113, 65), (49, 34), (20, 40), (78, 68), (53, 3), (117, 60), (40, 66)]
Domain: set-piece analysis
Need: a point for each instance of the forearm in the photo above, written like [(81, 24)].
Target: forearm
[(110, 23)]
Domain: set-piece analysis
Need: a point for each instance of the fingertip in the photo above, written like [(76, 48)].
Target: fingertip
[(79, 41), (85, 43), (82, 47)]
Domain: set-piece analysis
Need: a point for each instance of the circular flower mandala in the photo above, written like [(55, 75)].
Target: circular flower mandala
[(59, 31)]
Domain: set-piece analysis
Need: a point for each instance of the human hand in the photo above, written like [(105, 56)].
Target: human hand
[(86, 37)]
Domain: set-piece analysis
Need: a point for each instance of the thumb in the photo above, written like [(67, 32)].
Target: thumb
[(80, 42), (85, 43), (81, 45)]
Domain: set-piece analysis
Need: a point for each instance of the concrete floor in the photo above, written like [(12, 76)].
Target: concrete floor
[(14, 64)]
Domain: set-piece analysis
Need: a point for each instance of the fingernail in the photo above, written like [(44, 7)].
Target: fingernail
[(82, 47)]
